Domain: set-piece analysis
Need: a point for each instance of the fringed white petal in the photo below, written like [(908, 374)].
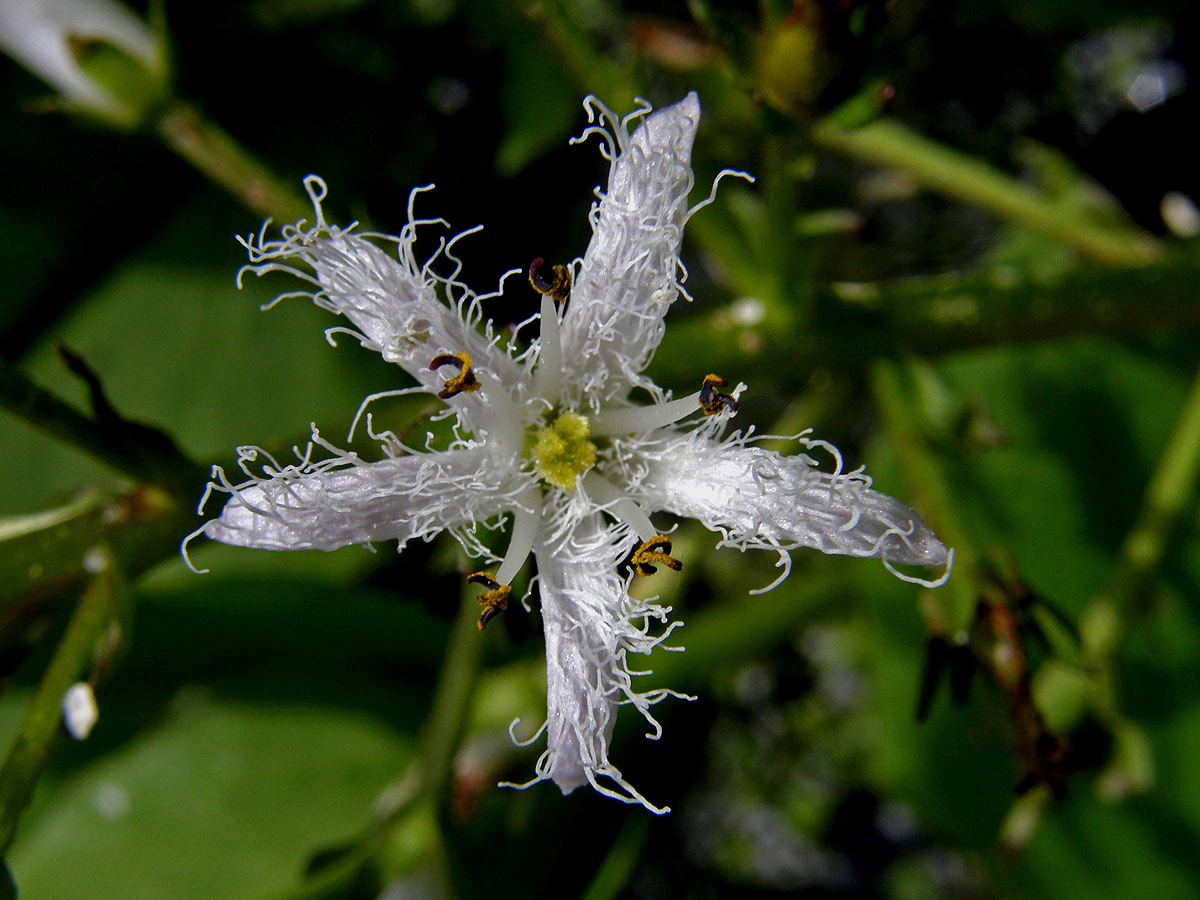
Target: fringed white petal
[(391, 299), (591, 625), (342, 500), (759, 499), (628, 277)]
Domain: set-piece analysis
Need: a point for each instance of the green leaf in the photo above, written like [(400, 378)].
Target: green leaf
[(1104, 850), (540, 107), (1079, 424), (221, 800)]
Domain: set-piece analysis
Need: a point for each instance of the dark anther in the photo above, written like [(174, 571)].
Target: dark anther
[(558, 288), (712, 402), (656, 550), (494, 600), (464, 381)]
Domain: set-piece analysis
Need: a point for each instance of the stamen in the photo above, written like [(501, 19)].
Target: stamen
[(613, 500), (656, 550), (548, 377), (526, 517), (464, 381), (505, 418), (638, 419), (494, 600), (558, 288), (712, 402)]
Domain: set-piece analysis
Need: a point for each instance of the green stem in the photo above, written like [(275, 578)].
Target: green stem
[(153, 460), (451, 700), (410, 842), (45, 552), (219, 157), (88, 629), (1169, 493), (947, 313), (858, 323), (1104, 624), (406, 843), (618, 866), (887, 143), (931, 495)]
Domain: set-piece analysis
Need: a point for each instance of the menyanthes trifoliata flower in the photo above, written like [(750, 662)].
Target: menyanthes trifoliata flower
[(550, 438)]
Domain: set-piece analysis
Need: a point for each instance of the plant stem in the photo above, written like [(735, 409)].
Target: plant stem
[(219, 157), (1170, 491), (88, 629), (138, 451), (860, 322), (888, 143), (405, 845), (410, 843), (451, 700), (957, 600), (955, 312), (614, 873)]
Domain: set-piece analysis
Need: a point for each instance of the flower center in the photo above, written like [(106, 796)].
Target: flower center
[(562, 451)]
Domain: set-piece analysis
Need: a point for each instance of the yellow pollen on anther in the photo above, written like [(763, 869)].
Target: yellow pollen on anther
[(494, 600), (652, 553), (464, 382), (712, 402), (558, 288), (562, 451)]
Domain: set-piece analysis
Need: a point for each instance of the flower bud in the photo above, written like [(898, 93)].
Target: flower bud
[(790, 66), (104, 61)]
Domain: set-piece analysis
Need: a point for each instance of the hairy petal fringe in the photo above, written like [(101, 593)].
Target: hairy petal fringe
[(392, 300), (591, 626), (626, 281), (758, 499), (342, 500)]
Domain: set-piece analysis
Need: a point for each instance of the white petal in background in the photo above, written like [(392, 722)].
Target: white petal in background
[(37, 34)]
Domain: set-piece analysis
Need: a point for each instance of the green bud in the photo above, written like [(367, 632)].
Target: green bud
[(102, 60), (789, 67), (1060, 693), (134, 85)]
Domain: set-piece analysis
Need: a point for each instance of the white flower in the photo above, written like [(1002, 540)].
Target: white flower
[(53, 39), (550, 438)]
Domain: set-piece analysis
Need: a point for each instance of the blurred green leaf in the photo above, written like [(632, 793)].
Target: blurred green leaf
[(222, 800), (1078, 424), (539, 104), (1107, 850)]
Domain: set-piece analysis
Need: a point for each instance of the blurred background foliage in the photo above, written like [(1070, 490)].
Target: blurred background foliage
[(969, 261)]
